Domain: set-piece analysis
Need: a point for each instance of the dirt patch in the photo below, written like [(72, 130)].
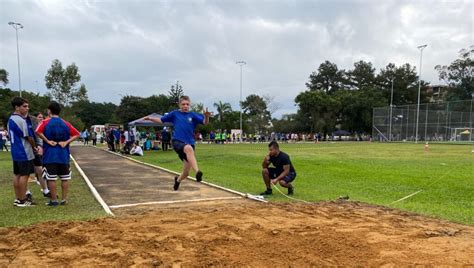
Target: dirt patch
[(245, 234)]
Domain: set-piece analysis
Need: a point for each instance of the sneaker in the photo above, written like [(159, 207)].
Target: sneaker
[(290, 190), (16, 202), (63, 202), (25, 203), (176, 183), (29, 197), (267, 192), (52, 203), (199, 176), (48, 195)]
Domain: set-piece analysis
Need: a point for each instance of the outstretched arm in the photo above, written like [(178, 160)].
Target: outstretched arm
[(153, 119)]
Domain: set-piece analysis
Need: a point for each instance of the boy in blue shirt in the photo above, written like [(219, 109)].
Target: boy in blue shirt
[(23, 147), (184, 122)]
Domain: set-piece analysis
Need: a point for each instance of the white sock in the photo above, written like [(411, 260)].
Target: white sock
[(46, 191), (28, 192)]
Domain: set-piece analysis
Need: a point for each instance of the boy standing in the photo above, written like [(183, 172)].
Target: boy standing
[(57, 134)]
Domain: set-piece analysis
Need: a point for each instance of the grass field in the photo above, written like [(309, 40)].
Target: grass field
[(81, 206), (369, 172)]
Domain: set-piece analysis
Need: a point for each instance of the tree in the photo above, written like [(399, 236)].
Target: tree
[(61, 83), (319, 110), (272, 105), (197, 107), (362, 76), (4, 77), (131, 108), (160, 104), (176, 92), (258, 116), (222, 108), (328, 78), (93, 113), (459, 76)]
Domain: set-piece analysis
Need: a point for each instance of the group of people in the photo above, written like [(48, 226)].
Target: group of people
[(41, 146)]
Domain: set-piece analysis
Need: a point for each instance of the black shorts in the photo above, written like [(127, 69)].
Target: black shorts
[(275, 173), (51, 172), (23, 168), (178, 147), (38, 161)]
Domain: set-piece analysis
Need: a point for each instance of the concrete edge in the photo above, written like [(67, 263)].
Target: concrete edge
[(92, 189)]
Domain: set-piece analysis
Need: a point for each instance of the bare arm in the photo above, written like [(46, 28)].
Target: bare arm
[(266, 161), (63, 144), (153, 119), (51, 143), (207, 115)]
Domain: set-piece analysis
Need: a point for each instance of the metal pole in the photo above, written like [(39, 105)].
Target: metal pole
[(419, 88), (241, 63), (426, 122), (470, 122), (16, 25), (391, 105)]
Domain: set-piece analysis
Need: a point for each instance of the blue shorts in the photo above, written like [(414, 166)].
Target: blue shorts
[(275, 173)]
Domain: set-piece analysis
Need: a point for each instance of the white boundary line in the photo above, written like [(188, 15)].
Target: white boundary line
[(175, 201), (92, 188), (249, 196), (408, 196)]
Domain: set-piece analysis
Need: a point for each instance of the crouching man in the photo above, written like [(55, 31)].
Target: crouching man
[(282, 171)]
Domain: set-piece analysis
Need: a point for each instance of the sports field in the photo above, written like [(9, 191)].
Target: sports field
[(377, 173)]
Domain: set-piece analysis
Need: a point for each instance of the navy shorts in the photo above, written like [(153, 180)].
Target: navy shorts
[(51, 172), (178, 147), (38, 161), (23, 168), (275, 173)]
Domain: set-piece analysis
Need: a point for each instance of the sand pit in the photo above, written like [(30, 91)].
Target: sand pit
[(244, 234)]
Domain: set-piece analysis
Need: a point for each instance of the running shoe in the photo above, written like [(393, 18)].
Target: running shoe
[(290, 190), (176, 183), (29, 197), (199, 176), (25, 203), (16, 202), (267, 192), (52, 203), (63, 202), (48, 195)]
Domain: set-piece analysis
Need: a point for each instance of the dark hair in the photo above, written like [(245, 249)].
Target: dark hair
[(54, 107), (18, 101), (37, 113), (274, 144)]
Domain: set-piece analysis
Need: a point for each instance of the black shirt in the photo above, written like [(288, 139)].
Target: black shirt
[(282, 159)]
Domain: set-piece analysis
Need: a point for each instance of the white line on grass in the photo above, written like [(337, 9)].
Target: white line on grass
[(175, 201), (408, 196), (92, 188), (249, 196)]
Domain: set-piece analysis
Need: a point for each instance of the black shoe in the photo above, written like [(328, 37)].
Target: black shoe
[(290, 190), (199, 176), (176, 183), (25, 203), (267, 192), (48, 195), (29, 197)]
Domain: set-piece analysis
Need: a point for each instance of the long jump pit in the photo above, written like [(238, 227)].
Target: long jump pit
[(220, 228)]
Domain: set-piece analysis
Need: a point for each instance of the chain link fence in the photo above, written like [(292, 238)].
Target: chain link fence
[(443, 122)]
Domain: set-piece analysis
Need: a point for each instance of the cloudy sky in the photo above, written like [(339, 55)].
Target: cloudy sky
[(142, 47)]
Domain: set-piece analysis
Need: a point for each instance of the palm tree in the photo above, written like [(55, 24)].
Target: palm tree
[(3, 77), (222, 108)]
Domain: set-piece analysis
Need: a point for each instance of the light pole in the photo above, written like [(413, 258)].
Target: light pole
[(391, 105), (241, 63), (17, 26), (419, 88)]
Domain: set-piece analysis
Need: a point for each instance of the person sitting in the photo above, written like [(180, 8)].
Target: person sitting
[(136, 150)]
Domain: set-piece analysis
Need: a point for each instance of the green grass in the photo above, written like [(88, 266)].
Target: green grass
[(81, 206), (377, 173)]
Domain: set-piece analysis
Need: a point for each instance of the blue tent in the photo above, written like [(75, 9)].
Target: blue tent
[(341, 133), (140, 122)]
